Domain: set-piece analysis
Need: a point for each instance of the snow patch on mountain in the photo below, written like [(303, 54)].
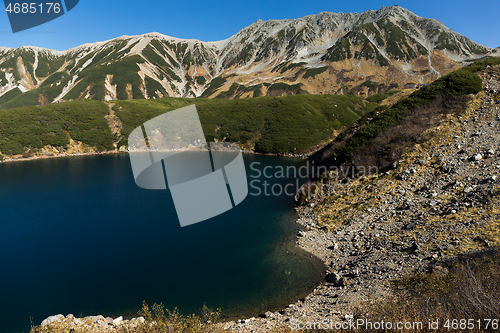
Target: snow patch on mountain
[(110, 89), (11, 84), (86, 64), (67, 88), (35, 66), (137, 49)]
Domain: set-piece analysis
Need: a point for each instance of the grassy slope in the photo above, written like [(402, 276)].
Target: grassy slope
[(267, 124)]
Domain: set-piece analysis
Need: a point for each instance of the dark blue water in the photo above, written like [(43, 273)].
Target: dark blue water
[(78, 236)]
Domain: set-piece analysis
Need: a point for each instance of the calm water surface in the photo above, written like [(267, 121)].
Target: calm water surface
[(78, 236)]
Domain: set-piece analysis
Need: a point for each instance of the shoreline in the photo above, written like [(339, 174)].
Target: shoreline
[(304, 155), (290, 246), (44, 157), (111, 152)]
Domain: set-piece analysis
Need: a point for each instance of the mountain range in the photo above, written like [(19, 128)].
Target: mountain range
[(327, 53)]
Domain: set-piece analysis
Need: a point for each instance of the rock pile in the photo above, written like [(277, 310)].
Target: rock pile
[(91, 323)]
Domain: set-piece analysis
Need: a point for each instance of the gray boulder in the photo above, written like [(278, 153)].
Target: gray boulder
[(52, 319), (333, 278)]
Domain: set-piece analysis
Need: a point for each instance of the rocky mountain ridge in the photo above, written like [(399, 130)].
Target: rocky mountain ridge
[(325, 53)]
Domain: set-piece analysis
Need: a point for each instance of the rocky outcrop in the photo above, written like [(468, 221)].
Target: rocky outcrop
[(91, 323)]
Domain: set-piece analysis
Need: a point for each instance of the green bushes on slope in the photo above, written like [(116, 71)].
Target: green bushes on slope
[(315, 71), (290, 124), (377, 98), (460, 82), (30, 128), (268, 124), (9, 95)]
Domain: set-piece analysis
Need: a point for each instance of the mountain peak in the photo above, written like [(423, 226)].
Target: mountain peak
[(327, 53)]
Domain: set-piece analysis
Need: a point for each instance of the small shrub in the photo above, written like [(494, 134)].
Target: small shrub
[(340, 137), (200, 80), (369, 84), (463, 82), (159, 319), (377, 98), (315, 71)]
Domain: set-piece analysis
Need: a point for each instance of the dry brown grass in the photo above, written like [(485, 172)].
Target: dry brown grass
[(467, 287)]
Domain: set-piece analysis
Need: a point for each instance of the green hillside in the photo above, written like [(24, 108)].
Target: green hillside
[(27, 129), (290, 124)]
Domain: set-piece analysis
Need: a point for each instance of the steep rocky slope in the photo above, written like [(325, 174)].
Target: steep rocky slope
[(325, 53)]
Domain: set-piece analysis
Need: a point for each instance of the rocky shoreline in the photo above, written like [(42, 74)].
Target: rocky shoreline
[(42, 157), (108, 152)]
